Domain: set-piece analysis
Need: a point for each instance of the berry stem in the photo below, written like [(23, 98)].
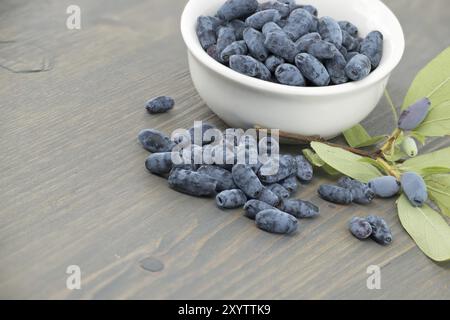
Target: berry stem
[(389, 169)]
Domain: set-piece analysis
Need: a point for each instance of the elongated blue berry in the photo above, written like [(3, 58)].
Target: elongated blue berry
[(159, 163), (298, 23), (235, 48), (372, 47), (250, 67), (159, 104), (330, 31), (238, 26), (322, 49), (273, 62), (247, 181), (235, 9), (225, 37), (279, 44), (304, 42), (312, 69), (290, 184), (414, 188), (282, 8), (231, 199), (255, 44), (299, 208), (335, 194), (260, 18), (348, 27), (336, 69), (223, 177), (192, 183), (358, 68), (277, 169), (385, 187), (288, 74), (361, 192), (206, 30), (276, 221), (305, 170), (381, 232), (269, 197), (252, 207), (155, 141), (279, 190), (360, 228), (414, 115)]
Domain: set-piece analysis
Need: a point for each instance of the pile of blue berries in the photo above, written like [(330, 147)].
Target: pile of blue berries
[(261, 189), (283, 42)]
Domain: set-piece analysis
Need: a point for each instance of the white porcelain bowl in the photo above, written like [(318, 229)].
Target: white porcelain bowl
[(243, 102)]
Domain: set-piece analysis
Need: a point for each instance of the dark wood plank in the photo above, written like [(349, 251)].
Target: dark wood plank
[(74, 190)]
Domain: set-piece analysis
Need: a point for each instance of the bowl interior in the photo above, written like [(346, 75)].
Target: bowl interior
[(367, 15)]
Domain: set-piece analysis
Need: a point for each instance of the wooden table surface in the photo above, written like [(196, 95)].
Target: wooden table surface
[(74, 190)]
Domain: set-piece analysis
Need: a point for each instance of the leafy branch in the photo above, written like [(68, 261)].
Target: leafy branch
[(396, 153)]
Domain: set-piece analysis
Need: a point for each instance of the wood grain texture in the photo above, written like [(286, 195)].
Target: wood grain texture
[(73, 188)]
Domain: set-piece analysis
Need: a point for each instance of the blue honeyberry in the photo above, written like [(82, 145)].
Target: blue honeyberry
[(361, 192), (305, 171), (276, 221), (155, 141), (372, 47), (260, 18), (288, 74), (200, 133), (277, 169), (206, 30), (225, 37), (247, 181), (159, 163), (255, 44), (314, 25), (385, 187), (330, 31), (298, 23), (348, 27), (414, 115), (282, 8), (279, 190), (336, 69), (311, 9), (269, 197), (235, 9), (238, 27), (414, 188), (270, 27), (299, 208), (322, 50), (223, 177), (381, 233), (290, 184), (279, 44), (358, 68), (252, 207), (192, 183), (272, 62), (235, 48), (214, 53), (312, 69), (349, 56), (231, 199), (360, 228), (335, 194), (159, 104), (249, 66), (304, 42), (348, 42)]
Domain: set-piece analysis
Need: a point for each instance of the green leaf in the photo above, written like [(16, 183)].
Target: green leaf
[(427, 228), (372, 141), (346, 162), (374, 163), (438, 186), (316, 161), (433, 81), (440, 158), (419, 137), (437, 122), (434, 170), (357, 137)]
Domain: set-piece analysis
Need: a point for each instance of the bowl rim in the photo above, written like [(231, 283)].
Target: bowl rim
[(377, 75)]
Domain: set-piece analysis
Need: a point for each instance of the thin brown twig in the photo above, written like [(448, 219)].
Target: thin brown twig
[(301, 138)]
